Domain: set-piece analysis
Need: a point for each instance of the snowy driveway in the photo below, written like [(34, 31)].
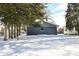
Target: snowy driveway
[(41, 45)]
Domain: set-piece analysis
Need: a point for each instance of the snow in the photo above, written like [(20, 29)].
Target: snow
[(40, 45)]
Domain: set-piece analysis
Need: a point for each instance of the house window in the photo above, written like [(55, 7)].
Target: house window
[(42, 28)]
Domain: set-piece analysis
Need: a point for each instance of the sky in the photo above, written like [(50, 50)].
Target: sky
[(57, 11)]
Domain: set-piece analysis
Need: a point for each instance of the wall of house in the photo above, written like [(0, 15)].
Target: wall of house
[(41, 30), (44, 28)]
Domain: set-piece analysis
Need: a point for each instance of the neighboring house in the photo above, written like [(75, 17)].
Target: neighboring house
[(1, 29), (60, 30), (44, 28), (70, 32)]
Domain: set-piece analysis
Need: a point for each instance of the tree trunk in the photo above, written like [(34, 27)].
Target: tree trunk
[(15, 31), (24, 28), (11, 31), (6, 34), (19, 30), (78, 32)]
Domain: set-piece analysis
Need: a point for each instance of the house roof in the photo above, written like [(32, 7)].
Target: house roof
[(47, 24), (52, 23)]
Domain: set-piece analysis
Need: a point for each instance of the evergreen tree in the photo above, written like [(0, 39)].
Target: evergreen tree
[(72, 16), (18, 14)]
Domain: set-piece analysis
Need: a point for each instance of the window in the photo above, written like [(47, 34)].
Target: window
[(42, 28)]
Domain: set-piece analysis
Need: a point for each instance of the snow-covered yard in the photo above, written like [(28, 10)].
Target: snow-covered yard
[(41, 45)]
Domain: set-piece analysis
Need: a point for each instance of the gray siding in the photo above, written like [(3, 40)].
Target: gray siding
[(45, 28), (41, 30)]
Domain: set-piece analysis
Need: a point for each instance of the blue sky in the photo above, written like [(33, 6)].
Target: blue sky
[(58, 12)]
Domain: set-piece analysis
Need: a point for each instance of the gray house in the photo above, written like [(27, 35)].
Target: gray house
[(44, 28)]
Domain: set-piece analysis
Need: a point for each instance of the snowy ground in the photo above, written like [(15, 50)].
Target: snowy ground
[(41, 45)]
